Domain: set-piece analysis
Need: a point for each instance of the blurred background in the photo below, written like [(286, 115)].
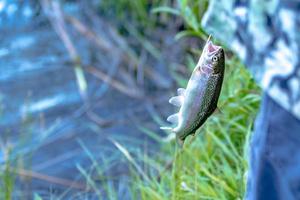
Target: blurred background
[(84, 88)]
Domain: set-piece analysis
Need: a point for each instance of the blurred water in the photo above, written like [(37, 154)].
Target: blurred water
[(15, 12), (42, 113)]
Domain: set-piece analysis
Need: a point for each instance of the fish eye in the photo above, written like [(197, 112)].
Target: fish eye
[(214, 58)]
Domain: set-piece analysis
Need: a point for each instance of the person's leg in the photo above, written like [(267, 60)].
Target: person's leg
[(274, 166)]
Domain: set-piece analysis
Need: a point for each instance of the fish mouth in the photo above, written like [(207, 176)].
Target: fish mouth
[(211, 48)]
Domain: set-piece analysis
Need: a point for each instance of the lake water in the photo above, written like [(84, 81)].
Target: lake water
[(43, 117)]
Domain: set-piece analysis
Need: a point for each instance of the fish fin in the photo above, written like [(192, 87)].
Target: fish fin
[(176, 101), (173, 118), (179, 141), (166, 128), (188, 139), (180, 91), (218, 111)]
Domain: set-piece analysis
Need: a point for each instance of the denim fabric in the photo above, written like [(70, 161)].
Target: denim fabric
[(274, 166), (265, 34)]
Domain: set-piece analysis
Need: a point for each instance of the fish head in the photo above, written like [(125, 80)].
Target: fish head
[(214, 58)]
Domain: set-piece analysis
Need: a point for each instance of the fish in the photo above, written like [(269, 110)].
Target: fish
[(200, 98)]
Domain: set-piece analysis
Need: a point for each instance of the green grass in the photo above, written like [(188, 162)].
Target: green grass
[(212, 164), (136, 12), (7, 177), (191, 11)]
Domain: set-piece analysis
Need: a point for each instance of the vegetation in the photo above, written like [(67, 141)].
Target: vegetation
[(212, 164), (7, 179)]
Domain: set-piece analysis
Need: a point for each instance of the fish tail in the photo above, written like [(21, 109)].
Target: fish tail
[(179, 141)]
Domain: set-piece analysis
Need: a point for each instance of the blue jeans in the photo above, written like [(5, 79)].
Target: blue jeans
[(274, 166)]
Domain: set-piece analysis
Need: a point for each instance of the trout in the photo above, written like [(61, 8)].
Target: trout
[(199, 100)]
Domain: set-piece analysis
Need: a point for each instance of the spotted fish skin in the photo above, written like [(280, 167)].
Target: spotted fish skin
[(199, 100)]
